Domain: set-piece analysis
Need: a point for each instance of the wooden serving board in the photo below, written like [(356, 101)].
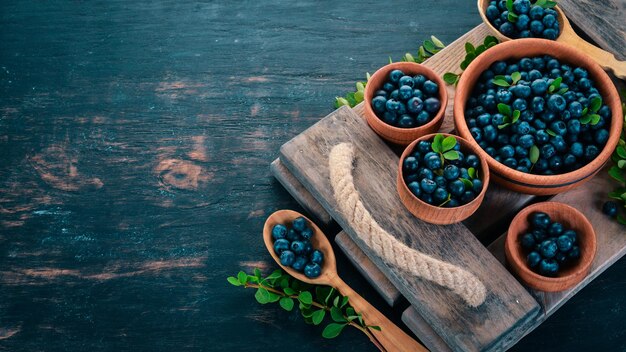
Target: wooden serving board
[(435, 316)]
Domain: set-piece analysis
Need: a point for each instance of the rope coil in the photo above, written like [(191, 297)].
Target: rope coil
[(392, 251)]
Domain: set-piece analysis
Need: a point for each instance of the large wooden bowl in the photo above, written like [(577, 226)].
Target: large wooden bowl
[(516, 49), (567, 276), (434, 214), (397, 135)]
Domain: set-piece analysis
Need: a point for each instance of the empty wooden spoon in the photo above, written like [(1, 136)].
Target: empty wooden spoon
[(391, 337), (568, 36)]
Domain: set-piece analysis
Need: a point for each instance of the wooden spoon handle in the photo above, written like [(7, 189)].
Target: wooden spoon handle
[(391, 337), (602, 57)]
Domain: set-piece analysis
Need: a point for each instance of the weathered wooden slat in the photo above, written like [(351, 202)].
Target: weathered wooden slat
[(611, 238), (508, 305), (427, 335), (383, 286)]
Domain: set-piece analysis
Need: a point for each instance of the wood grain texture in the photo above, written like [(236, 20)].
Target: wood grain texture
[(376, 278), (611, 242), (463, 328), (602, 21)]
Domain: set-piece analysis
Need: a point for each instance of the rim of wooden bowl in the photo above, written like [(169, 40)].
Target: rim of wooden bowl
[(482, 10), (574, 274), (530, 48), (375, 83), (475, 203)]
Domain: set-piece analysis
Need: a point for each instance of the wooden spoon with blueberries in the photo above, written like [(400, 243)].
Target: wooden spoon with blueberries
[(287, 232), (531, 21)]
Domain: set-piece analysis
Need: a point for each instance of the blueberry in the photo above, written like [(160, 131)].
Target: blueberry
[(279, 231), (569, 160), (281, 245), (556, 103), (456, 188), (424, 147), (576, 149), (432, 162), (549, 267), (490, 133), (564, 243), (580, 72), (287, 258), (558, 127), (379, 104), (525, 163), (483, 120), (299, 223), (306, 233), (430, 87), (312, 270), (308, 247), (507, 29), (504, 96), (610, 208), (522, 23), (389, 87), (548, 21), (539, 235), (559, 143), (440, 195), (550, 33), (536, 27), (467, 197), (297, 247), (523, 127), (601, 136), (440, 181), (292, 235), (492, 12), (410, 164), (390, 117), (521, 6), (428, 186), (395, 75), (536, 13), (395, 95), (575, 109), (526, 141), (506, 152), (427, 198), (547, 151), (528, 241), (418, 81), (406, 81), (520, 104), (422, 118), (414, 187), (573, 253), (406, 121), (542, 137), (381, 93), (451, 172), (414, 105), (426, 173), (538, 104), (555, 229), (540, 220), (405, 92), (317, 257), (452, 203), (417, 93), (432, 105), (591, 151), (533, 259), (472, 161)]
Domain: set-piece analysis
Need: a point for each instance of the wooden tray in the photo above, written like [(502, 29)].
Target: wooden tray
[(436, 316)]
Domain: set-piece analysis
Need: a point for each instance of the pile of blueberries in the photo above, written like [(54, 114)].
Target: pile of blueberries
[(406, 101), (549, 244), (538, 115), (441, 182), (526, 20), (294, 248)]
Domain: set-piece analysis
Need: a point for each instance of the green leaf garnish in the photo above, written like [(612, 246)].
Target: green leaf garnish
[(515, 77), (595, 103), (471, 172), (512, 17), (621, 151), (551, 132), (504, 109), (333, 330), (448, 143), (436, 144), (534, 154), (617, 174), (509, 5), (450, 78), (469, 48), (500, 82), (451, 155), (466, 182), (556, 84)]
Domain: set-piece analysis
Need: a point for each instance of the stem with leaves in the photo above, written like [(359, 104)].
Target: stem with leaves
[(618, 170), (428, 48), (313, 301), (471, 53)]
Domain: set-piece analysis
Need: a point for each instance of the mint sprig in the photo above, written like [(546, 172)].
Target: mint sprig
[(471, 53), (510, 116), (618, 170)]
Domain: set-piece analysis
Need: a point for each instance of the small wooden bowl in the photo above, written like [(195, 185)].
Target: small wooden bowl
[(439, 215), (568, 276), (397, 135), (515, 49)]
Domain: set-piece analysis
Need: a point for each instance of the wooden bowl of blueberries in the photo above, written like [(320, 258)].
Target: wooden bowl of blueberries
[(404, 101), (544, 115), (441, 178), (550, 246)]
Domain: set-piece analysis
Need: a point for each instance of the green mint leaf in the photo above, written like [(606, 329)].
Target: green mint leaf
[(367, 76), (512, 17), (469, 48), (339, 102), (466, 182), (480, 49), (516, 115), (621, 151), (595, 104), (275, 274), (450, 78), (430, 46), (621, 164), (585, 119), (318, 316), (504, 125), (500, 82), (336, 315), (448, 143), (562, 91), (617, 174), (509, 5), (242, 277), (556, 84), (436, 144), (408, 57), (540, 3), (438, 43), (262, 295), (471, 172), (374, 327), (595, 118), (617, 194), (336, 302), (332, 330), (464, 64), (305, 297), (490, 40), (306, 312), (585, 111), (360, 86), (286, 303), (233, 281), (451, 155), (504, 109), (549, 4), (534, 154), (621, 219), (289, 291), (358, 97), (273, 297), (551, 132), (344, 301), (516, 76), (257, 273)]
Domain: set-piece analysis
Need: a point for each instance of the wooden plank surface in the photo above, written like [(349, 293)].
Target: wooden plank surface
[(463, 328), (602, 21), (611, 239)]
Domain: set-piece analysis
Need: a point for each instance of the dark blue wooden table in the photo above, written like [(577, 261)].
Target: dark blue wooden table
[(135, 142)]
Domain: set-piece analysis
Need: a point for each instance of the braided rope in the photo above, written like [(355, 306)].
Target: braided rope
[(394, 252)]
